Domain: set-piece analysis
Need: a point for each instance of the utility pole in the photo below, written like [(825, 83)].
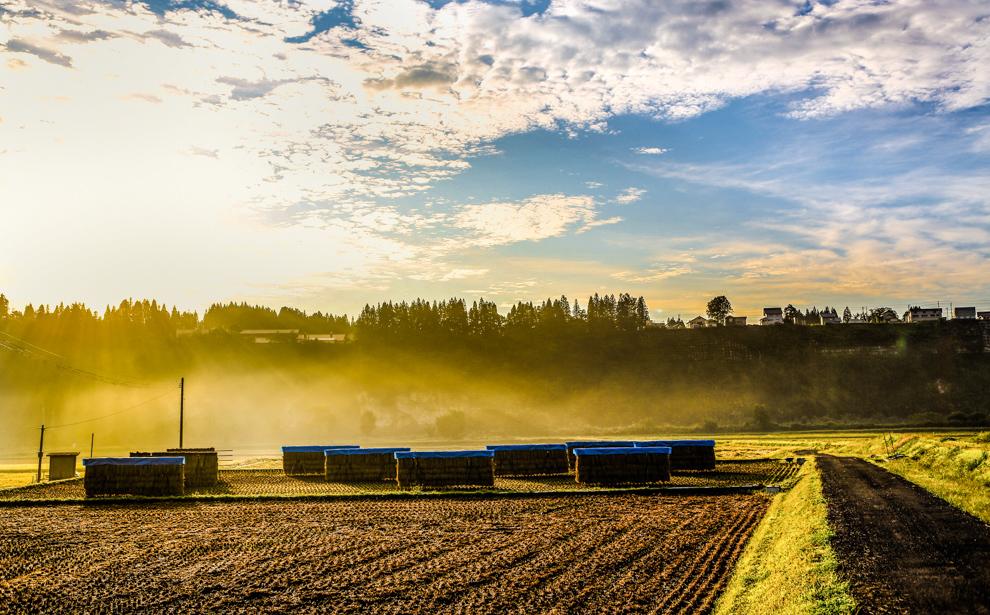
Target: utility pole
[(41, 450), (92, 438), (182, 401)]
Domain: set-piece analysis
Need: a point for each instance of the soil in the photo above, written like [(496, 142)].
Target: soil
[(592, 554), (902, 549)]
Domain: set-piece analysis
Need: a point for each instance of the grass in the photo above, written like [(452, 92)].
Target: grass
[(954, 468), (788, 565), (17, 478)]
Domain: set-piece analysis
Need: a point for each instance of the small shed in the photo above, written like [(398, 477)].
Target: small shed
[(62, 465)]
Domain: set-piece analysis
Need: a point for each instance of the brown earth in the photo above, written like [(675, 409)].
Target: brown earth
[(903, 549), (590, 554)]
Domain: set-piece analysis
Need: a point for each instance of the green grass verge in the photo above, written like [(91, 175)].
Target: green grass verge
[(956, 469), (788, 565)]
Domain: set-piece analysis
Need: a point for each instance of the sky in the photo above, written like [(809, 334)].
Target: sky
[(326, 154)]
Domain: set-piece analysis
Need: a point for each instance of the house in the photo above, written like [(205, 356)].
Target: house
[(324, 338), (856, 320), (965, 313), (269, 336), (735, 321), (919, 314), (983, 315), (698, 322), (829, 317), (772, 316)]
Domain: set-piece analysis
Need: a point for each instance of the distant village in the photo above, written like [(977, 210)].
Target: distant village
[(830, 316)]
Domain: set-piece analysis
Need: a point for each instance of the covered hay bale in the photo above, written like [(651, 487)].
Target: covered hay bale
[(202, 464), (351, 465), (622, 465), (306, 460), (529, 459), (687, 454), (152, 476), (594, 444), (445, 469)]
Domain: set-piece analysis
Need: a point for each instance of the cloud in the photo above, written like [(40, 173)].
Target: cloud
[(652, 274), (650, 151), (538, 217), (630, 195), (76, 36), (46, 54), (592, 185), (430, 75)]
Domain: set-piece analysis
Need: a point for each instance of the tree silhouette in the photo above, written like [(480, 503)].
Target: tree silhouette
[(718, 308)]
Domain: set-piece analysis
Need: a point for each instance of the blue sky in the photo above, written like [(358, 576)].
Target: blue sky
[(325, 154)]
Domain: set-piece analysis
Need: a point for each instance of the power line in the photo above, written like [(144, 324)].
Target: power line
[(97, 418), (60, 362)]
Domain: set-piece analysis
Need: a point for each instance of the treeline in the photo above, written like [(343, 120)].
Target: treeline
[(387, 320), (454, 318)]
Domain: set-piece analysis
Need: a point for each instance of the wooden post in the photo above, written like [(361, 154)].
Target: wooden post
[(182, 401), (92, 437), (41, 450)]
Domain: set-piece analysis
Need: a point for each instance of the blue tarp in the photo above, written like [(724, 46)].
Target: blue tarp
[(527, 447), (643, 450), (336, 452), (599, 443), (677, 443), (316, 449), (134, 461), (441, 454)]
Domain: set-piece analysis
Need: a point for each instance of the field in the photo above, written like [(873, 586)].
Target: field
[(272, 482), (589, 553)]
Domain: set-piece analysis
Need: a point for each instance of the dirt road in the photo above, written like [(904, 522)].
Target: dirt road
[(903, 549)]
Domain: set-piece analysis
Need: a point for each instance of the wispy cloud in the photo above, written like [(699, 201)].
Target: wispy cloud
[(650, 151), (630, 195)]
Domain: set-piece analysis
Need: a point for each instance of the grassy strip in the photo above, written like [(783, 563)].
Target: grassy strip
[(788, 565), (956, 470), (391, 495)]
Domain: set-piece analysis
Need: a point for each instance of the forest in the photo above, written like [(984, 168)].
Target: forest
[(455, 369)]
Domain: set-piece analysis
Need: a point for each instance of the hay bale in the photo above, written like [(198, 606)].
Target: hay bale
[(622, 465), (445, 469), (307, 460), (151, 476), (687, 454), (593, 444), (202, 464), (529, 459), (360, 464)]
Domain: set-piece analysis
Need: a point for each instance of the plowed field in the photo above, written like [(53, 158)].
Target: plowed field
[(595, 553)]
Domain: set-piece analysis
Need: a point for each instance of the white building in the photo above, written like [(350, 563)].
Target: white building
[(919, 314), (772, 316)]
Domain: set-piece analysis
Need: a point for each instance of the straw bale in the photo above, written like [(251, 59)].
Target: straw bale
[(151, 480), (301, 464), (530, 462), (622, 469), (445, 472), (367, 467)]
